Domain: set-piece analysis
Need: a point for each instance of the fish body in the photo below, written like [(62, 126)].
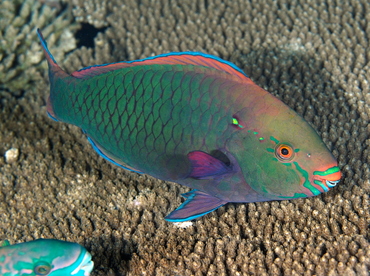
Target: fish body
[(197, 120), (44, 257)]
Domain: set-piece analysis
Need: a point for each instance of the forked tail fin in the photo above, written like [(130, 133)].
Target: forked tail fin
[(54, 68), (55, 72)]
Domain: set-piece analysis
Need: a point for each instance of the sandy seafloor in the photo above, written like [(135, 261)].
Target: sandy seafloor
[(313, 55)]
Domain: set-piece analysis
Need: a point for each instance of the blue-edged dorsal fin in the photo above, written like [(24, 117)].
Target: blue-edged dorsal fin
[(180, 58), (197, 204)]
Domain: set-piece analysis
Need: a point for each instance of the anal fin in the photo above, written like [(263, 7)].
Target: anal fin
[(197, 204)]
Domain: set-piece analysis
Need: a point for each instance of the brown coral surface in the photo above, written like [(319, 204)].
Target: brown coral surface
[(314, 55)]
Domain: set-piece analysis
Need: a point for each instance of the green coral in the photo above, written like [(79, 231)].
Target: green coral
[(20, 52)]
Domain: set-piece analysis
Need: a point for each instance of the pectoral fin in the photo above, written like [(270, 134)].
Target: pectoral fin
[(205, 166), (197, 204)]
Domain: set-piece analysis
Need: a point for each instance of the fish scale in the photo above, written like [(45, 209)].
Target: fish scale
[(141, 104), (198, 120)]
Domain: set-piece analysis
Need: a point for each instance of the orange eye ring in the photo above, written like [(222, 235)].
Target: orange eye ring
[(284, 152)]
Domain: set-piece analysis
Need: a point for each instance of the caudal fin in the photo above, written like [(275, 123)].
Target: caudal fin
[(55, 72), (54, 68)]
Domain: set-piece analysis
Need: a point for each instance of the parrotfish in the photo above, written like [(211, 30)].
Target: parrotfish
[(194, 119), (44, 257)]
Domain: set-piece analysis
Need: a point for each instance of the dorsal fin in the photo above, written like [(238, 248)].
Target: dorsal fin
[(181, 58), (4, 243)]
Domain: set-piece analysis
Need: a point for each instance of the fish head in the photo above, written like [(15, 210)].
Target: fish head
[(46, 257), (281, 155), (64, 258)]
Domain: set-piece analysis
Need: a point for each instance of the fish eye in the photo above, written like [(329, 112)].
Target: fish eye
[(42, 268), (284, 152)]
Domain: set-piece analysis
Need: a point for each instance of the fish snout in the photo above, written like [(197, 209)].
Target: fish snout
[(87, 264)]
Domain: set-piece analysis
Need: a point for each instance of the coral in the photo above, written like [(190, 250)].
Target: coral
[(314, 55), (92, 12), (20, 55)]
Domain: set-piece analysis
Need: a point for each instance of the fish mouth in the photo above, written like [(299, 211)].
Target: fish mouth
[(328, 178), (330, 183), (87, 264)]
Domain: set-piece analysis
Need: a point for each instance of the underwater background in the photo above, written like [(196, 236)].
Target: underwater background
[(313, 55)]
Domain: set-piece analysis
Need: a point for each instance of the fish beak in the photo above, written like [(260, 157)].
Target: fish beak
[(86, 266), (330, 183), (327, 179)]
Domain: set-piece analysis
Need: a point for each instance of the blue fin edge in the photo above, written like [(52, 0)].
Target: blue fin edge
[(192, 217), (53, 118), (173, 54), (189, 196), (106, 157), (45, 45)]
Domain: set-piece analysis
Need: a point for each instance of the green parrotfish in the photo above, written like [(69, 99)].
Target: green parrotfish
[(197, 120), (44, 257)]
